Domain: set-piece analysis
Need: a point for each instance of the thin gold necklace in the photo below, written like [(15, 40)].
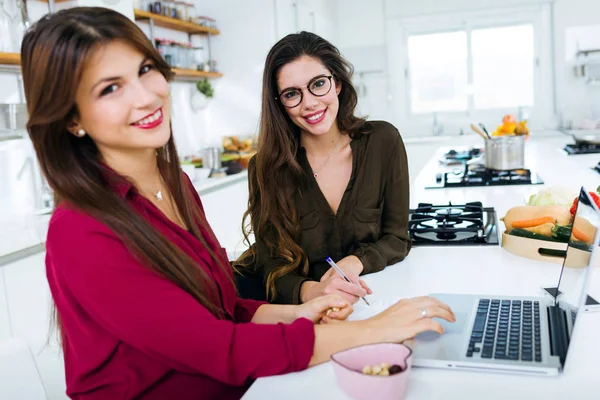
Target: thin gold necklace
[(315, 172)]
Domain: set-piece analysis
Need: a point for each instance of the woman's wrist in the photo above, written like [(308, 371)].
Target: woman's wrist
[(357, 265), (307, 290)]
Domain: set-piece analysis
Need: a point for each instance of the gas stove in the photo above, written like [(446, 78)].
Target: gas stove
[(581, 148), (478, 175), (460, 156), (469, 224)]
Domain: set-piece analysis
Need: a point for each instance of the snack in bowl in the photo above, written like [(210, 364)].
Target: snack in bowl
[(349, 367), (383, 369)]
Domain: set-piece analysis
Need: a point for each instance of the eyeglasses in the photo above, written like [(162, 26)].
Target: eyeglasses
[(318, 86)]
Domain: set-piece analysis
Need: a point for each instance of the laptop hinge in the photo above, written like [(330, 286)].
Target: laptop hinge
[(559, 333)]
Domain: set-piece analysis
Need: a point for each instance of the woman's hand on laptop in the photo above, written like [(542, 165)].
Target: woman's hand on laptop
[(409, 317)]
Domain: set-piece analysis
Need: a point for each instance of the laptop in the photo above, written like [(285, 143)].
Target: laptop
[(527, 335)]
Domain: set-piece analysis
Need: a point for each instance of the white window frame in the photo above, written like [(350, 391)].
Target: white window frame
[(541, 111)]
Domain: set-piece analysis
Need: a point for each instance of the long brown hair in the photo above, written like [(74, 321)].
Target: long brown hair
[(53, 58), (276, 174)]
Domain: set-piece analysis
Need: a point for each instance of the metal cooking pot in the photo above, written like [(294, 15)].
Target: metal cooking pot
[(211, 158), (505, 152)]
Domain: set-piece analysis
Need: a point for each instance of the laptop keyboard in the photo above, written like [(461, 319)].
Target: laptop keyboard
[(507, 330)]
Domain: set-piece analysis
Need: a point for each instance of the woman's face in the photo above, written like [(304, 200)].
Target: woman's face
[(122, 101), (315, 114)]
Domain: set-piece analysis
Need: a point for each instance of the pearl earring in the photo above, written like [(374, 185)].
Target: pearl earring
[(81, 133)]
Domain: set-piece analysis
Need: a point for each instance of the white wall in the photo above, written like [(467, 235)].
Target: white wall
[(412, 8), (576, 100)]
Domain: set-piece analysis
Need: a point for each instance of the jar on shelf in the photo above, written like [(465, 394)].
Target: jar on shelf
[(181, 10), (166, 8), (190, 12), (173, 5), (168, 52), (155, 6)]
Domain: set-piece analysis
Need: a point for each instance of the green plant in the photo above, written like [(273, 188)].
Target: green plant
[(205, 88)]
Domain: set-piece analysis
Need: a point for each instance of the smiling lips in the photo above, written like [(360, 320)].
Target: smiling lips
[(315, 118), (150, 121)]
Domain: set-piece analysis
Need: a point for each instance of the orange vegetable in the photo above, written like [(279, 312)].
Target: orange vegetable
[(577, 234), (529, 223), (509, 119)]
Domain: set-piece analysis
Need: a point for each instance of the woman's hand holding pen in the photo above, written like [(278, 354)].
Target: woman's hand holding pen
[(333, 283), (352, 267)]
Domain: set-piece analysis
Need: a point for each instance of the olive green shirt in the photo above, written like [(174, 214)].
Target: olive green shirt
[(372, 218)]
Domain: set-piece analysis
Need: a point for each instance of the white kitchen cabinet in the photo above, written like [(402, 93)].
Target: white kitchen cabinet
[(224, 209), (293, 16), (304, 15), (285, 18), (4, 318), (29, 304)]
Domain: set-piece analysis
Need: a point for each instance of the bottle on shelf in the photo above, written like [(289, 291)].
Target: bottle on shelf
[(6, 31)]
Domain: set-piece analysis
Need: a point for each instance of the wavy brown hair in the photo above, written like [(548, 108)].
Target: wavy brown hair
[(53, 57), (275, 174)]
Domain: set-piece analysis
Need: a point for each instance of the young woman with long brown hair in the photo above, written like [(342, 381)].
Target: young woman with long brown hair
[(324, 182), (144, 294)]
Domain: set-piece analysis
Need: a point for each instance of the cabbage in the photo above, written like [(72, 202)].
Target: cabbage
[(551, 196)]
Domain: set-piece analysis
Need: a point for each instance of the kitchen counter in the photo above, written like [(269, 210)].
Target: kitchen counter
[(209, 185), (29, 231), (486, 270)]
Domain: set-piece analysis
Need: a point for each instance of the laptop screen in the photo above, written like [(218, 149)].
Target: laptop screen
[(579, 256)]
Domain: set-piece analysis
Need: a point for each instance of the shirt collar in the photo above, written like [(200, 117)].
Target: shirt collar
[(117, 183)]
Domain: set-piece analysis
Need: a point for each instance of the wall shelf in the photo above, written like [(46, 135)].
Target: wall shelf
[(187, 74), (174, 23), (10, 58), (190, 74)]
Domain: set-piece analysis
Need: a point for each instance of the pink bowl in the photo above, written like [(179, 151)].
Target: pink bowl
[(348, 365)]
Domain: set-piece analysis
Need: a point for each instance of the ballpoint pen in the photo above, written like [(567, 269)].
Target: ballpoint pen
[(339, 271)]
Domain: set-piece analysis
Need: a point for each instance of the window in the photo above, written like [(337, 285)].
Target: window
[(503, 61), (472, 69), (438, 65)]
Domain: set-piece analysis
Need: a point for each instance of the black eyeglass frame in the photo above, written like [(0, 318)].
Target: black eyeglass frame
[(278, 97)]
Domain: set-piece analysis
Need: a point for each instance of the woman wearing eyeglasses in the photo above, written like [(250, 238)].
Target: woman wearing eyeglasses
[(324, 182)]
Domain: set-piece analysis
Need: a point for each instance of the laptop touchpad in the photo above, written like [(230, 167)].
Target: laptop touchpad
[(449, 327)]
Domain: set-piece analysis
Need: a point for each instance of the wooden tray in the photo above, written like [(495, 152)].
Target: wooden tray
[(530, 248)]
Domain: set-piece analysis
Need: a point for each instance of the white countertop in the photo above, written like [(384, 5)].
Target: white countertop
[(28, 231), (479, 270), (205, 186)]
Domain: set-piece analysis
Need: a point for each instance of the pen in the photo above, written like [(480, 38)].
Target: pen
[(339, 271)]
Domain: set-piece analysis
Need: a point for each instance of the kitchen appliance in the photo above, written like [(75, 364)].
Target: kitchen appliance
[(477, 175), (469, 224), (586, 142), (505, 152), (460, 156), (211, 158), (502, 334), (582, 148)]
